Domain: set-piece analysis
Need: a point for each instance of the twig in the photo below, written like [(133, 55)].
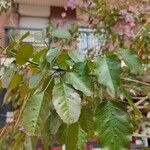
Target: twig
[(141, 101), (138, 103), (142, 28), (141, 135), (136, 81), (2, 48), (3, 130)]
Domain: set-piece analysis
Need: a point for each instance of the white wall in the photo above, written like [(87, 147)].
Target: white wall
[(33, 22)]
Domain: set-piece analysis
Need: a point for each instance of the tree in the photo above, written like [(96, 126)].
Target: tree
[(62, 96)]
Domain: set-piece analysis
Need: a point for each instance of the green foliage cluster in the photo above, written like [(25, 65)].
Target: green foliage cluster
[(61, 96)]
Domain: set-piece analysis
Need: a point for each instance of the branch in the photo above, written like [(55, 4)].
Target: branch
[(59, 69), (2, 48), (136, 81), (141, 101), (138, 103), (141, 135)]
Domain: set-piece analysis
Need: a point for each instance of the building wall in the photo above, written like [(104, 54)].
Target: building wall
[(3, 21), (7, 19)]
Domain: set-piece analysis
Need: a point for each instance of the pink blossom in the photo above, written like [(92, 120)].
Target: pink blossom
[(133, 9), (86, 21), (85, 18), (72, 4), (63, 15), (132, 24), (129, 18), (66, 8), (128, 31), (147, 8), (110, 46), (21, 128), (123, 12), (119, 29), (86, 3)]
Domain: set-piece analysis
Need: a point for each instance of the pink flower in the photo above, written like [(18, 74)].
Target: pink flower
[(63, 15), (72, 4), (133, 9), (86, 21), (132, 24), (86, 3), (65, 7), (21, 128), (128, 31), (110, 46), (123, 12), (119, 29), (129, 19), (85, 18)]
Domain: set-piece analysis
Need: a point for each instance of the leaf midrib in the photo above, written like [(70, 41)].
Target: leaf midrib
[(36, 127), (105, 59), (66, 100)]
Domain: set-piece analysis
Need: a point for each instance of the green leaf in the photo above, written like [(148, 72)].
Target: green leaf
[(55, 123), (28, 143), (107, 70), (62, 60), (46, 132), (82, 139), (15, 81), (24, 36), (113, 125), (24, 53), (76, 55), (39, 56), (35, 113), (80, 82), (7, 77), (81, 67), (69, 136), (131, 60), (52, 54), (11, 46), (87, 120), (61, 33), (18, 138), (35, 80), (67, 103), (23, 91)]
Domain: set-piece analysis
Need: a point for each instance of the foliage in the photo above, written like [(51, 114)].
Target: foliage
[(62, 96), (4, 5), (114, 125)]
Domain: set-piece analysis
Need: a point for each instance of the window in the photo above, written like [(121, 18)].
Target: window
[(88, 41)]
